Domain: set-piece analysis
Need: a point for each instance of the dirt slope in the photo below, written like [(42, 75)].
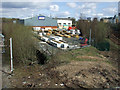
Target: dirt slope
[(76, 74), (89, 74), (81, 68)]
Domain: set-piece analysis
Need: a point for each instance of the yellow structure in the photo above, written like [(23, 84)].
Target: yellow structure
[(67, 36), (77, 36), (48, 34)]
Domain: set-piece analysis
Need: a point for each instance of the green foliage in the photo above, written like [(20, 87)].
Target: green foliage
[(113, 46), (115, 27), (23, 42), (103, 46), (99, 30), (73, 21), (83, 54), (84, 26)]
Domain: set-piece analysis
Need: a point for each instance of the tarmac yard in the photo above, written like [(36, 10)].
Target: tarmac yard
[(68, 38)]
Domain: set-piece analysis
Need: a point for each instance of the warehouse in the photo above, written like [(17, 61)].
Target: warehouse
[(41, 21)]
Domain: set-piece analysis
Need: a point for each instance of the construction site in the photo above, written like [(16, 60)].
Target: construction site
[(60, 38), (64, 58), (49, 52)]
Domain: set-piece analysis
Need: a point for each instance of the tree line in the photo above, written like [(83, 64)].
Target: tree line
[(100, 32)]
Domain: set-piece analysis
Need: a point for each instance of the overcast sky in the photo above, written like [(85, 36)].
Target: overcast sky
[(58, 9)]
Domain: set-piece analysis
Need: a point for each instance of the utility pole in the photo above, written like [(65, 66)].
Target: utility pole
[(90, 37), (11, 55)]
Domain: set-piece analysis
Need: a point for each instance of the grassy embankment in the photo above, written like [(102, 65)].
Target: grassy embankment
[(86, 54)]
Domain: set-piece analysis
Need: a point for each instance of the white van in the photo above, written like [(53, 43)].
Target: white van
[(44, 38), (57, 38)]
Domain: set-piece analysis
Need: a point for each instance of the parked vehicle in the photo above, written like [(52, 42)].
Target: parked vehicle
[(44, 38), (58, 44)]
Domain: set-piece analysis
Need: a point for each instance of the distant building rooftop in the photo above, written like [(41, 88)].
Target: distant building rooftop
[(63, 18), (40, 20)]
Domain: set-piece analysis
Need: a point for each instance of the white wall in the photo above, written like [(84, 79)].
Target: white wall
[(64, 21), (68, 22)]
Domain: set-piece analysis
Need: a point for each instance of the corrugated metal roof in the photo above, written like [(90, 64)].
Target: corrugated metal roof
[(34, 21)]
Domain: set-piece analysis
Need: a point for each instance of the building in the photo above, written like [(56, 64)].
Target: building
[(119, 11), (115, 19), (64, 22), (95, 19), (105, 20), (112, 20), (89, 19), (41, 21)]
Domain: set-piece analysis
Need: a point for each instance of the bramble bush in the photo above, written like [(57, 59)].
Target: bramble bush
[(24, 46)]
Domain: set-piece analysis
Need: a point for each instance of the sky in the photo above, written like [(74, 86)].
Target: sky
[(58, 9)]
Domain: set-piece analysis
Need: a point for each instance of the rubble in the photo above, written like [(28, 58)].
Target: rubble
[(76, 74)]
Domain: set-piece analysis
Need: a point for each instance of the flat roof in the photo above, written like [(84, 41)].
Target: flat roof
[(63, 18)]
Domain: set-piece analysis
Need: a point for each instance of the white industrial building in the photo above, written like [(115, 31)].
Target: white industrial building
[(64, 22)]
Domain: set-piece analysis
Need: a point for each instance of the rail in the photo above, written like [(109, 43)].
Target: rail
[(115, 39)]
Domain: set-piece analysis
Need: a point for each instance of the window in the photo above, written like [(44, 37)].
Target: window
[(62, 46), (68, 24), (59, 23), (64, 23)]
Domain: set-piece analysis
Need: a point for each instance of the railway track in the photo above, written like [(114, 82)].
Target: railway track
[(115, 39)]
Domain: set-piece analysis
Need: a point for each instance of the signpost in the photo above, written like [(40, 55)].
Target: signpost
[(41, 17), (11, 55), (90, 38)]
